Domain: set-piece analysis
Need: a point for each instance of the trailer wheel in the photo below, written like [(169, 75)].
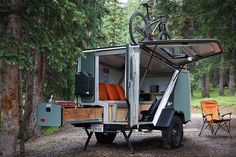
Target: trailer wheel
[(105, 137), (173, 135)]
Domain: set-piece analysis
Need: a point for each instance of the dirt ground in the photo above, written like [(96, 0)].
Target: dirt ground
[(69, 141)]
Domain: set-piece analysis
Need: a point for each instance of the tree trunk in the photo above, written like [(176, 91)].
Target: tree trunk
[(205, 85), (186, 21), (10, 110), (233, 57), (215, 77), (22, 131), (1, 89), (221, 79), (28, 101), (37, 94), (10, 97), (231, 80)]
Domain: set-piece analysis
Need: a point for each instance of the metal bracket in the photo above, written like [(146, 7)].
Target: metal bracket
[(88, 139), (127, 140)]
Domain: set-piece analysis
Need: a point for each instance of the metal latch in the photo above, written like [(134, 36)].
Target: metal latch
[(48, 108)]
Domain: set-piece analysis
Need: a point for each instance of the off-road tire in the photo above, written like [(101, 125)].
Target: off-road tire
[(173, 135), (133, 31)]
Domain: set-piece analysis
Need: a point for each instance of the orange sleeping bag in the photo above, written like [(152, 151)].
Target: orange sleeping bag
[(102, 92), (120, 92), (111, 92)]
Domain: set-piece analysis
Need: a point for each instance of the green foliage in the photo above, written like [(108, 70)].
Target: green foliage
[(199, 69), (216, 19), (204, 19), (49, 130), (175, 21), (12, 51), (222, 100), (114, 24), (59, 29)]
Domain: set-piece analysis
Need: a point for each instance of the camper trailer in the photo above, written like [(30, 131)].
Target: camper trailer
[(132, 87)]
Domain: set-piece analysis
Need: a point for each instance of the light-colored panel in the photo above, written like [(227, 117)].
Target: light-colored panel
[(182, 96), (166, 96), (161, 81)]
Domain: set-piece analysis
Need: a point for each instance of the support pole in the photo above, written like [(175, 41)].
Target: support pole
[(88, 139), (127, 140)]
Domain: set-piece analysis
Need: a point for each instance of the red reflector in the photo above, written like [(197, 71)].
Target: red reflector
[(66, 104), (42, 120)]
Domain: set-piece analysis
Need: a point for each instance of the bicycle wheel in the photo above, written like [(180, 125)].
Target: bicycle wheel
[(137, 27), (163, 35)]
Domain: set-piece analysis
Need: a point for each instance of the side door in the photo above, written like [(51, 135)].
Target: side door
[(132, 83)]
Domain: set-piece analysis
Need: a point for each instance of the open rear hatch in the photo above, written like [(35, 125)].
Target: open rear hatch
[(177, 53)]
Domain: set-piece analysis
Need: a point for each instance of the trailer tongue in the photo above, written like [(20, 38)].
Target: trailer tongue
[(143, 87)]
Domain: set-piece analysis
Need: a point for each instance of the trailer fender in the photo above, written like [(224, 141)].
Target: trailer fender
[(180, 114), (165, 117)]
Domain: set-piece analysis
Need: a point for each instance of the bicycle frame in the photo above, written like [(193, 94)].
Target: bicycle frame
[(156, 22)]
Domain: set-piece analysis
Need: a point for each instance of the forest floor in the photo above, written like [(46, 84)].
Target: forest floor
[(69, 141)]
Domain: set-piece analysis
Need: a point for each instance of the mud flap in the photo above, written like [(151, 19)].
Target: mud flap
[(165, 117)]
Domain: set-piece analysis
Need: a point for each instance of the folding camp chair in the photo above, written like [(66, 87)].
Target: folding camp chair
[(213, 119)]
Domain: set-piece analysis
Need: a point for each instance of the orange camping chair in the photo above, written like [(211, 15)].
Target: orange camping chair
[(212, 117)]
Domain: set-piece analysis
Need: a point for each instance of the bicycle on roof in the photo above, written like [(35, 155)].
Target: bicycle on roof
[(144, 28)]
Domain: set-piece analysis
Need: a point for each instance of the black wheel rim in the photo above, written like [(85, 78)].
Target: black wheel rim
[(138, 29), (176, 134)]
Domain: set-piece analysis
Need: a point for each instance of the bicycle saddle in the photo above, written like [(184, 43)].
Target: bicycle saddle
[(147, 5)]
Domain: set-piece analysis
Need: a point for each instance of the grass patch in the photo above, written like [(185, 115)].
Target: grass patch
[(49, 130), (214, 94)]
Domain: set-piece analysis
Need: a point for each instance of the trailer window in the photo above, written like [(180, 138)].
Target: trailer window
[(174, 53)]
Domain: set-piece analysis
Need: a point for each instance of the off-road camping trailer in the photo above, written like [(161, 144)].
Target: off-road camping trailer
[(133, 87)]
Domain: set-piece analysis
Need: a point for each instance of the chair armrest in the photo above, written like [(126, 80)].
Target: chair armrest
[(226, 114), (205, 115)]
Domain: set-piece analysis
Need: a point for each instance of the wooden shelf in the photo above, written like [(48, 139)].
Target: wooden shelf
[(150, 96), (70, 114)]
